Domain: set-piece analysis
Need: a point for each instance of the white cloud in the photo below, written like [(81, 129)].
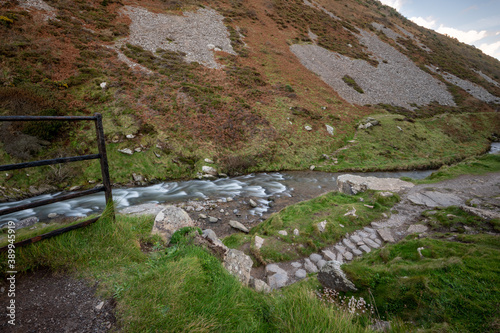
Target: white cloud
[(396, 4), (492, 49), (427, 22), (468, 37)]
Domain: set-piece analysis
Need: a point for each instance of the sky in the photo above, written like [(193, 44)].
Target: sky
[(472, 22)]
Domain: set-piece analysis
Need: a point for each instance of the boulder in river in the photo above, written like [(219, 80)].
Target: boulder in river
[(352, 184)]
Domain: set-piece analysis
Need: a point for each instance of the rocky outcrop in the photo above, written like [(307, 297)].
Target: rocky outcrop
[(169, 220), (351, 184), (332, 276), (238, 264)]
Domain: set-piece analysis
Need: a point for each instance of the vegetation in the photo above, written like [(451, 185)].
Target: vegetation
[(248, 117), (472, 165), (179, 288), (453, 286), (305, 216), (352, 83)]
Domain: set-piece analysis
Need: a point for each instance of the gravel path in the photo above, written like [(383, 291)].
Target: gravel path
[(396, 81), (198, 34)]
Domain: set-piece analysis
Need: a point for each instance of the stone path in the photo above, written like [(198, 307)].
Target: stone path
[(480, 191)]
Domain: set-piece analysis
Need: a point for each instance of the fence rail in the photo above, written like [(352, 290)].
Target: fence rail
[(102, 156)]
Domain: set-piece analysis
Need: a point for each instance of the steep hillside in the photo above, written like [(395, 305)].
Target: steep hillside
[(251, 85)]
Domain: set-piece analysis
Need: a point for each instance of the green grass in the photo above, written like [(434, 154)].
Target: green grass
[(177, 289), (305, 217), (454, 287), (473, 165)]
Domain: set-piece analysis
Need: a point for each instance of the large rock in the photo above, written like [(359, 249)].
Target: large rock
[(434, 199), (169, 220), (209, 170), (332, 276), (351, 184), (239, 265), (482, 213), (237, 225)]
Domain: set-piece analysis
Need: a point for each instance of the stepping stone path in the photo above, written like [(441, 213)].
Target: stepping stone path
[(354, 245)]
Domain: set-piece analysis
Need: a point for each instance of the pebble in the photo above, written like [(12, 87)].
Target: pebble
[(212, 219)]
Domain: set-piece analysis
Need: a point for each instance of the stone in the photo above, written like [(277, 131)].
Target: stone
[(371, 243), (369, 230), (130, 136), (252, 203), (351, 184), (274, 268), (482, 213), (385, 234), (52, 215), (209, 170), (309, 266), (212, 219), (321, 263), (365, 248), (348, 256), (27, 222), (137, 178), (417, 228), (169, 220), (315, 257), (340, 248), (229, 199), (300, 274), (340, 258), (207, 160), (277, 280), (332, 276), (238, 264), (259, 241), (308, 128), (312, 167), (75, 188), (386, 194), (329, 254), (357, 252), (283, 233), (434, 199), (202, 216), (351, 212), (329, 129), (322, 226), (126, 151), (355, 238), (99, 306), (259, 286), (103, 85), (138, 149), (348, 243), (296, 232), (296, 264), (237, 225)]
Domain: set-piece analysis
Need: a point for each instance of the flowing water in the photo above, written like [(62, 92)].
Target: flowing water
[(260, 186)]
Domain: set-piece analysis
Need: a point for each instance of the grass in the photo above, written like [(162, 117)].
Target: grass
[(177, 289), (305, 217), (472, 165), (406, 144), (453, 287)]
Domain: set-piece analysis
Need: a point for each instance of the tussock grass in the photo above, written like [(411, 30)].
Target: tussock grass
[(453, 287), (182, 288)]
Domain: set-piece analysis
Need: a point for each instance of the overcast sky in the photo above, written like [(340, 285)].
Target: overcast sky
[(472, 22)]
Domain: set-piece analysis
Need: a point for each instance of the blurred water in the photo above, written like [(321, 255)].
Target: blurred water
[(260, 186)]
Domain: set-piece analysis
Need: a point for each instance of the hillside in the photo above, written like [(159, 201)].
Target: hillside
[(251, 85)]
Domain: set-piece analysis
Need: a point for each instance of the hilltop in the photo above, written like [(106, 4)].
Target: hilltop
[(252, 86)]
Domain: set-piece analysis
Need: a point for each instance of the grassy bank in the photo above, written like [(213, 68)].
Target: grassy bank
[(175, 289), (453, 286), (342, 213)]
